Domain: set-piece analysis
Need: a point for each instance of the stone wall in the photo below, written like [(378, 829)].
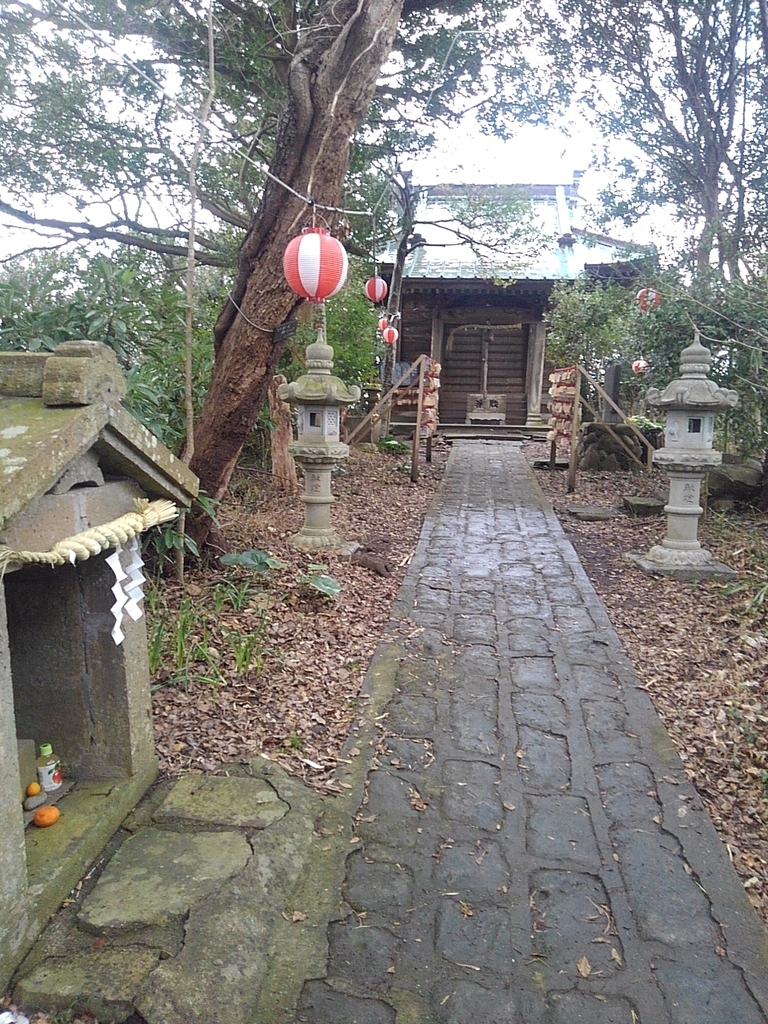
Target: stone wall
[(598, 450)]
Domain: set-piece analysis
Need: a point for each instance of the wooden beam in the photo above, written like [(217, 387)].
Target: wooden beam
[(571, 482), (614, 435), (385, 400), (417, 431)]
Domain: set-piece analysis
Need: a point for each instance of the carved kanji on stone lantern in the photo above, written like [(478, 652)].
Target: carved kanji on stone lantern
[(690, 403)]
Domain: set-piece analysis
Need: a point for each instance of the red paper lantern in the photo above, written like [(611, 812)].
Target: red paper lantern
[(315, 264), (383, 324), (390, 335), (376, 289), (648, 299), (640, 366)]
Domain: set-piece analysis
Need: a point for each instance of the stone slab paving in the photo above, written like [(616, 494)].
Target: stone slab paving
[(516, 841), (532, 852)]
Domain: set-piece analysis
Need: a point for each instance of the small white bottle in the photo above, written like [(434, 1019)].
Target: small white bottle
[(48, 769)]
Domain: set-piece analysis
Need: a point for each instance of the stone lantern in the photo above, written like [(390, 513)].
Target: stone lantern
[(318, 397), (690, 403)]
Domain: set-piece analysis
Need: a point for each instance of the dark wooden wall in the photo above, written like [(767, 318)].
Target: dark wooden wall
[(462, 372)]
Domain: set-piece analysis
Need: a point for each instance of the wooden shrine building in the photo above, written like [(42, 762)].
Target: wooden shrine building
[(482, 319)]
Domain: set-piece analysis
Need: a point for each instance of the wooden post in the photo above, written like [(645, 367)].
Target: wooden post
[(571, 485), (429, 448), (553, 455), (284, 477), (417, 430)]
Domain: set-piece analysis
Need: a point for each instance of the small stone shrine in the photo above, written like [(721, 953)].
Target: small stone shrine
[(690, 404), (319, 398), (77, 471)]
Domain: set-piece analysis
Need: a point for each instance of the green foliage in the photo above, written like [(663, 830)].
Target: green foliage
[(129, 303), (181, 642), (191, 643), (321, 582), (393, 446), (248, 648), (132, 302), (591, 323), (256, 560), (237, 595)]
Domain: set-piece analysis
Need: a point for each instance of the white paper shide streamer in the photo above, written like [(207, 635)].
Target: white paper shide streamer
[(127, 586)]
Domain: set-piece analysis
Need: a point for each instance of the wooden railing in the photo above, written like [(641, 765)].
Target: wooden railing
[(387, 399), (581, 400)]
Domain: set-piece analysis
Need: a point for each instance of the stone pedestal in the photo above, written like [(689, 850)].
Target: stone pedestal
[(680, 554), (317, 531)]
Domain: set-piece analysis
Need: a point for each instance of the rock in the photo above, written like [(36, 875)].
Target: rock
[(642, 506), (590, 460), (737, 479), (101, 983), (32, 802), (590, 513), (607, 450), (375, 563), (219, 800), (156, 876)]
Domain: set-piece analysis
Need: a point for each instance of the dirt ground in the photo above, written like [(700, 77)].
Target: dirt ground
[(700, 648)]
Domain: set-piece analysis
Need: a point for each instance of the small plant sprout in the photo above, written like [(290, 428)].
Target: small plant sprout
[(256, 560), (243, 646), (317, 578)]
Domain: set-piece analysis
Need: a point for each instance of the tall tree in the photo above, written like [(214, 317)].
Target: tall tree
[(331, 81), (684, 82)]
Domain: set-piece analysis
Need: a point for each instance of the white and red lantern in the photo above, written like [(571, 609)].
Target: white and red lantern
[(648, 299), (640, 366), (390, 335), (376, 289), (315, 264), (383, 323)]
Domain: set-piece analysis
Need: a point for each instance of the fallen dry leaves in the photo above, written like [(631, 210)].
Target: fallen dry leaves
[(298, 698)]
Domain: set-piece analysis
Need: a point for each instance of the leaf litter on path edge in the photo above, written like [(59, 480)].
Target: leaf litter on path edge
[(700, 653)]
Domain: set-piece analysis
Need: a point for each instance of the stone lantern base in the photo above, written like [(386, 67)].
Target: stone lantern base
[(682, 565), (317, 533)]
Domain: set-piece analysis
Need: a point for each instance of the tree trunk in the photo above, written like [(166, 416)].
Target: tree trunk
[(331, 81), (284, 477)]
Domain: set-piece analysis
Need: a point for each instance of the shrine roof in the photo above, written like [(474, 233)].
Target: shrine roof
[(55, 407)]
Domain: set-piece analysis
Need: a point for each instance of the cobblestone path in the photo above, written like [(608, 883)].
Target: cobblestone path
[(531, 852)]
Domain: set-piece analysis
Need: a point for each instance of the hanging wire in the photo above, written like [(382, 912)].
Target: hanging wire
[(674, 292), (266, 330)]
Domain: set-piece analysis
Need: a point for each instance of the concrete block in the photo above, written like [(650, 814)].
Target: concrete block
[(27, 767)]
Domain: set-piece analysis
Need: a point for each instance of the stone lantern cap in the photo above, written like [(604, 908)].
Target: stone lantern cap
[(319, 386), (693, 389)]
